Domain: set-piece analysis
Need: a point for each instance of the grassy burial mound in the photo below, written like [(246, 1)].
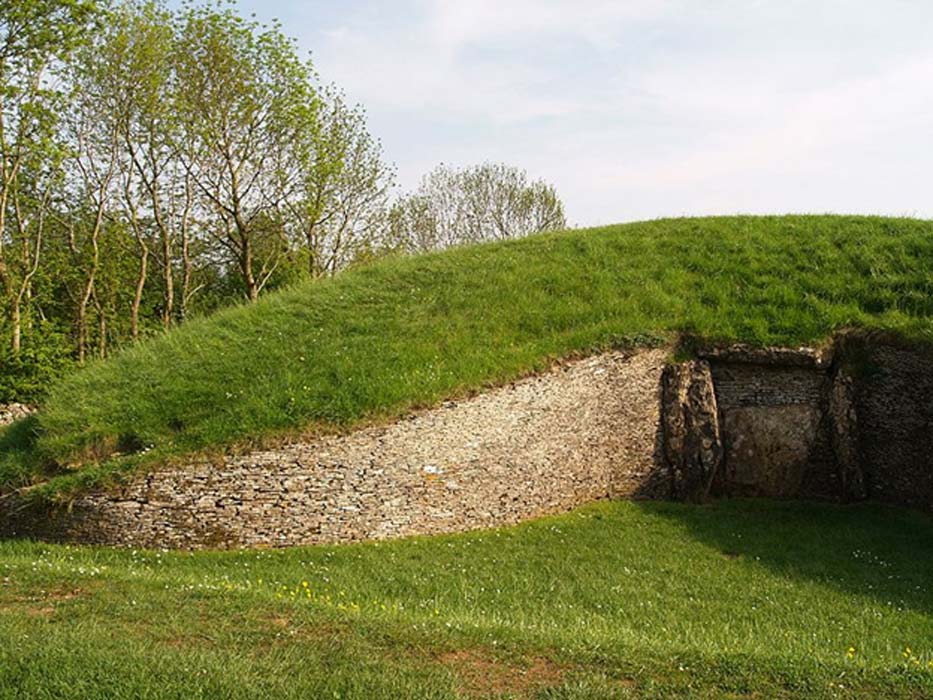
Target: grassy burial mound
[(402, 333)]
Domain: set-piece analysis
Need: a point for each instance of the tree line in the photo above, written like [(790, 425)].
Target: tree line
[(157, 164)]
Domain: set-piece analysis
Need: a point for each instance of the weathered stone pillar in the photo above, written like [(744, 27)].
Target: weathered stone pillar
[(692, 440), (844, 427)]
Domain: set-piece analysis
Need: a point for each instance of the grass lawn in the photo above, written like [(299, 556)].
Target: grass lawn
[(745, 599), (379, 340)]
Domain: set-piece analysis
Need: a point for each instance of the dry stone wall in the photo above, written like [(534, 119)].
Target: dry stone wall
[(893, 400), (850, 422), (12, 412), (586, 430)]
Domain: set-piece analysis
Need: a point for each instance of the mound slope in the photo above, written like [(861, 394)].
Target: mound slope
[(379, 341)]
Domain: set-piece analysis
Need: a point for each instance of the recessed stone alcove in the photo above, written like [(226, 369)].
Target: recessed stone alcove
[(850, 421)]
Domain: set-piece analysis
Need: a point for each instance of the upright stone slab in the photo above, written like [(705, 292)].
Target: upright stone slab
[(844, 432), (692, 439)]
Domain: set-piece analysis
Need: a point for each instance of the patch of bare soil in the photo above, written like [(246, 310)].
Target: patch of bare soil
[(481, 675), (42, 605)]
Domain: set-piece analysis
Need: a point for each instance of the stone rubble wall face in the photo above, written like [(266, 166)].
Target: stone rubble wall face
[(894, 408), (584, 431), (755, 385), (12, 412), (774, 422)]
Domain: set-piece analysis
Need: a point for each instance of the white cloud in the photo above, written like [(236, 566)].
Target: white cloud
[(643, 108), (454, 24), (772, 129), (424, 72)]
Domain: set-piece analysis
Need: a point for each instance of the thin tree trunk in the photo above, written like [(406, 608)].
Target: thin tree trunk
[(89, 294), (186, 264), (312, 254), (252, 289), (17, 322), (81, 322), (140, 286), (82, 317), (102, 337), (168, 274), (246, 261), (165, 234), (185, 276)]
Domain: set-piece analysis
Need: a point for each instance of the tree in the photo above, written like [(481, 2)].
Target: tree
[(243, 98), (340, 187), (93, 126), (487, 202), (124, 70), (36, 38), (136, 55)]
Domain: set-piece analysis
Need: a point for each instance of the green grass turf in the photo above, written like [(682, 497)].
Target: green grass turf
[(402, 333), (745, 599)]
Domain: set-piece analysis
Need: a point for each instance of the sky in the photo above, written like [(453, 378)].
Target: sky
[(638, 109)]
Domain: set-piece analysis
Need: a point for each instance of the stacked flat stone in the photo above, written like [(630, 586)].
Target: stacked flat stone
[(12, 412)]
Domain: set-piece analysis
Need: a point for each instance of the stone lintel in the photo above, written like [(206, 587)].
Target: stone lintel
[(816, 358)]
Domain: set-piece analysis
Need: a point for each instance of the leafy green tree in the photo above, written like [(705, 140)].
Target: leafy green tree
[(340, 187), (244, 98), (488, 202), (93, 125), (134, 56), (36, 39)]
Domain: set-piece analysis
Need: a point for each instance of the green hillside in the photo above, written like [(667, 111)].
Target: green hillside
[(401, 333)]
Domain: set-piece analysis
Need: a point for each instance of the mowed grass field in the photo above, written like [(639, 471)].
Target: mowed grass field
[(378, 341), (746, 599)]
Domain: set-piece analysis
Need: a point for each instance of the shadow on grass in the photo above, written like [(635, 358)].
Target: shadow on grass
[(872, 550)]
